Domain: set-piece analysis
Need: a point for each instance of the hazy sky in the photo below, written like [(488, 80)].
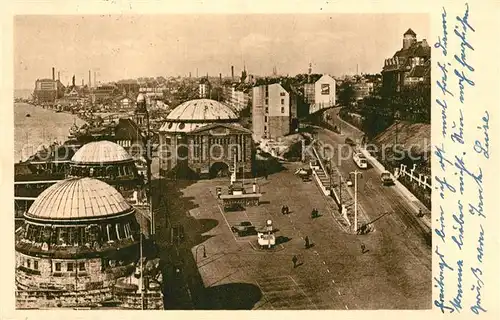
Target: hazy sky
[(120, 47)]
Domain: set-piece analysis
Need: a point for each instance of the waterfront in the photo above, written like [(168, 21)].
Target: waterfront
[(42, 127)]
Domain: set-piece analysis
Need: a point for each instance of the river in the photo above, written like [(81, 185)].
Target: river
[(42, 128)]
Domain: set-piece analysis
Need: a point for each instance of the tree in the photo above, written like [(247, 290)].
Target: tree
[(346, 94)]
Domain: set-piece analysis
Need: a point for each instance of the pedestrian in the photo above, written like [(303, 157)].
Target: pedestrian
[(363, 247), (294, 260), (420, 213), (287, 210), (307, 242), (283, 210)]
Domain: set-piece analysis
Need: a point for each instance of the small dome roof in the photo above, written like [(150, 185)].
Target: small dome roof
[(99, 152), (78, 198), (202, 110), (140, 98)]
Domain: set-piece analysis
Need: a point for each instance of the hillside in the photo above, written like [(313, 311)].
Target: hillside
[(416, 135)]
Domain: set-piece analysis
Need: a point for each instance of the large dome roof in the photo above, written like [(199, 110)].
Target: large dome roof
[(99, 152), (202, 110), (78, 198)]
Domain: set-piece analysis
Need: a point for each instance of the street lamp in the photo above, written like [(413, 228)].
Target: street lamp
[(356, 173)]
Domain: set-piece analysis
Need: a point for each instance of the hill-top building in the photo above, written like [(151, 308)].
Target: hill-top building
[(409, 66)]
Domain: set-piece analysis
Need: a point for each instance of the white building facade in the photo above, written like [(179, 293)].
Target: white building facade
[(271, 111)]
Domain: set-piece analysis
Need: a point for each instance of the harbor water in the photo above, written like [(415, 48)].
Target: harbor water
[(41, 127)]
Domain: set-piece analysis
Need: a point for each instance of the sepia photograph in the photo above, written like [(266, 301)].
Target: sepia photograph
[(223, 161)]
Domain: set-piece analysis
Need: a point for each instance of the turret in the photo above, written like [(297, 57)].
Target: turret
[(409, 38)]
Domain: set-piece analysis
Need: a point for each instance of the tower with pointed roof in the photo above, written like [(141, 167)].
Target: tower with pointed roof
[(141, 111), (409, 38)]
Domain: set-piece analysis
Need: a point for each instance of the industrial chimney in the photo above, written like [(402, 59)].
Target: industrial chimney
[(58, 76), (232, 73), (90, 82), (220, 77), (53, 73)]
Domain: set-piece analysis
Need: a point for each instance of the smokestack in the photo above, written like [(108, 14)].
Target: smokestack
[(189, 74), (89, 79), (220, 77), (82, 83), (95, 83), (58, 76), (232, 73), (53, 73)]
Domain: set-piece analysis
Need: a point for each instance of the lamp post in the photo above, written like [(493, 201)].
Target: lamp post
[(356, 173)]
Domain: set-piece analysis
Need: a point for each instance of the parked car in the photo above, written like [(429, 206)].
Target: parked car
[(386, 178), (350, 142), (360, 160), (244, 228)]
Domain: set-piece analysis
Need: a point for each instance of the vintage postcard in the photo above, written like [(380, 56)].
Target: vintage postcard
[(255, 155)]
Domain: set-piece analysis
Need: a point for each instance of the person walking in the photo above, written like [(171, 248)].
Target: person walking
[(363, 248), (283, 210), (294, 260), (307, 242), (287, 211)]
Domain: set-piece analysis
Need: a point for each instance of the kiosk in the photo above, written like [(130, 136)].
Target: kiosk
[(266, 236)]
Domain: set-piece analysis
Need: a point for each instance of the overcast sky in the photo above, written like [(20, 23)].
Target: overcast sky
[(121, 47)]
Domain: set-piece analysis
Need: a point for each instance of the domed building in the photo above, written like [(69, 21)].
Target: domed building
[(79, 246), (106, 161), (205, 137)]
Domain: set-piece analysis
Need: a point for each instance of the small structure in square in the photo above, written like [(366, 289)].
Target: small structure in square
[(80, 246), (237, 198)]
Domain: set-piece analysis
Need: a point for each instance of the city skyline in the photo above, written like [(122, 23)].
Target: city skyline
[(131, 46)]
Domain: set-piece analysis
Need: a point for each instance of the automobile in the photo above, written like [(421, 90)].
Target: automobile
[(386, 178), (350, 142), (304, 174), (349, 183), (360, 160), (244, 228)]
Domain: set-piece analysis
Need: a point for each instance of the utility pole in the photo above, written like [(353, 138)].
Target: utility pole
[(356, 173), (340, 187)]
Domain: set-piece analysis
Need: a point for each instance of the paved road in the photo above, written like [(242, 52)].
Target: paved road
[(394, 273)]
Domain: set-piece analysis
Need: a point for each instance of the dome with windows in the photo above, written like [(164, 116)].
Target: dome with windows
[(98, 152), (194, 114), (78, 199)]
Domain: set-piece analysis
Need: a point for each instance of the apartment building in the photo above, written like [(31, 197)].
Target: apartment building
[(274, 111)]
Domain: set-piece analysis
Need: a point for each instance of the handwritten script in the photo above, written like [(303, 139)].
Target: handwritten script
[(462, 150)]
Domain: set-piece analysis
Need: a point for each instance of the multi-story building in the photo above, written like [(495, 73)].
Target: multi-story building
[(48, 90), (274, 110), (236, 96), (320, 94), (409, 65), (204, 88), (203, 137), (128, 86), (103, 93), (362, 89)]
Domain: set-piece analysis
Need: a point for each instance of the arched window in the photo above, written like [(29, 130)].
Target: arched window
[(108, 232), (117, 228)]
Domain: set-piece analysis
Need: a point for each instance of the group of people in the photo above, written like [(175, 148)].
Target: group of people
[(314, 213), (285, 210)]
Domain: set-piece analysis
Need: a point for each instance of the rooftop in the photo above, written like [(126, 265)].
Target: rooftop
[(78, 198), (201, 110), (99, 152)]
